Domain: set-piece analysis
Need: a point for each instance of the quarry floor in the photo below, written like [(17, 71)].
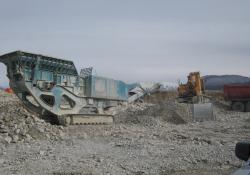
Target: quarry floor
[(129, 147)]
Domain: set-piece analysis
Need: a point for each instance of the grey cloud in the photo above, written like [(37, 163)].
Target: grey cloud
[(133, 40)]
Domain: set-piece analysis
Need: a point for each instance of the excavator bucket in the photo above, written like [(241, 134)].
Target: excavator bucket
[(203, 112)]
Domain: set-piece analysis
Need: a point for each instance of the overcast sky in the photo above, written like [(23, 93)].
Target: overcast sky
[(132, 40)]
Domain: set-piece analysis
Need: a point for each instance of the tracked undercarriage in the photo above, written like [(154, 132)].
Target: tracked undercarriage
[(52, 88)]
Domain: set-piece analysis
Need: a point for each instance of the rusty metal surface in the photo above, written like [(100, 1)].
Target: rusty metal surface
[(237, 92)]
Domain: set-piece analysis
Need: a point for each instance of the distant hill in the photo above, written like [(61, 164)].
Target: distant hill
[(216, 82)]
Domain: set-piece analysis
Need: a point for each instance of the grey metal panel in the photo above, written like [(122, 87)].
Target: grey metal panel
[(203, 112), (101, 87)]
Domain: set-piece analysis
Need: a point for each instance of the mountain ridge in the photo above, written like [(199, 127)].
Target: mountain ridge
[(217, 82)]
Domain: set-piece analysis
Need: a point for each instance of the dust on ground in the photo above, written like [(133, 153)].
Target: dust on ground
[(157, 136)]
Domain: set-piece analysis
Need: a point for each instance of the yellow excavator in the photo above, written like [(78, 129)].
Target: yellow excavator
[(193, 92)]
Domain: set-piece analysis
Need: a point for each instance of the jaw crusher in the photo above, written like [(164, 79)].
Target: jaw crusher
[(53, 89)]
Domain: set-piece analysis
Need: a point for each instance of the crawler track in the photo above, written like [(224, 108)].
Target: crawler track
[(85, 119)]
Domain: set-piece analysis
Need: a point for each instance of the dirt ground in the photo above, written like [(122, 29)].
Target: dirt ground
[(158, 137)]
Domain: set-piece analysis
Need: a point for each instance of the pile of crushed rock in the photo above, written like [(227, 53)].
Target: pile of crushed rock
[(19, 125), (149, 114)]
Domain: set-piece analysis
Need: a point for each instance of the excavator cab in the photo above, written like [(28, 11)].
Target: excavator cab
[(192, 90)]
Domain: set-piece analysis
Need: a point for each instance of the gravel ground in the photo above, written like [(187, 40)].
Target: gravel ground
[(146, 139)]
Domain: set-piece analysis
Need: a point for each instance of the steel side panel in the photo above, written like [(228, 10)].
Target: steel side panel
[(237, 92), (100, 87), (203, 112)]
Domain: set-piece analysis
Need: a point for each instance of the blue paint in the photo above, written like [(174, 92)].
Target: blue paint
[(106, 85), (57, 93), (46, 75), (62, 72)]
